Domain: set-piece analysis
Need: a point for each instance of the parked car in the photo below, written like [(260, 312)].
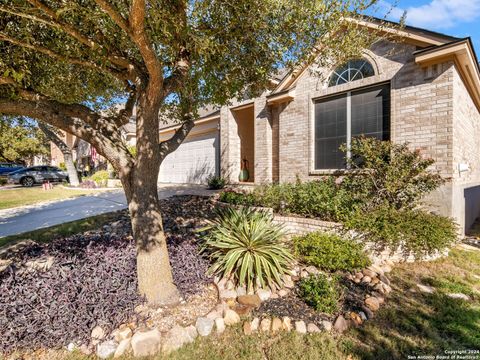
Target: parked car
[(37, 175), (6, 168)]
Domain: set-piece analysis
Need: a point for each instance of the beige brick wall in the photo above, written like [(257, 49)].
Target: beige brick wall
[(430, 107), (466, 150)]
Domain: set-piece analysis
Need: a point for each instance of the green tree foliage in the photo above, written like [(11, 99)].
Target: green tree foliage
[(64, 61), (21, 140)]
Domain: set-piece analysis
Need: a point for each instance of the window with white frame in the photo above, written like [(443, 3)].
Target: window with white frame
[(364, 112), (352, 70)]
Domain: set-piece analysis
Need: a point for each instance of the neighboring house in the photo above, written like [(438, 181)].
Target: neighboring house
[(424, 90)]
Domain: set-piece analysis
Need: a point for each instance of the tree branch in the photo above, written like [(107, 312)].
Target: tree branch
[(57, 56), (69, 118), (70, 30), (140, 38), (114, 15), (126, 113), (172, 144)]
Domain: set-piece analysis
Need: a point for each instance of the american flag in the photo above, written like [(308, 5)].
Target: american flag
[(93, 153)]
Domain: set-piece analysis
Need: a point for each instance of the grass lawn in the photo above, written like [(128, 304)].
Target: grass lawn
[(411, 323), (65, 229), (26, 196)]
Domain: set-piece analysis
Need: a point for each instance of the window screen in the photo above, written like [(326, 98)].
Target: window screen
[(371, 113), (330, 132), (370, 116)]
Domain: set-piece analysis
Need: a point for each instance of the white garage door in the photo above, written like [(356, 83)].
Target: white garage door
[(194, 160)]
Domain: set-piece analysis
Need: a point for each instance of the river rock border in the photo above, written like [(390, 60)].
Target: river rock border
[(235, 306)]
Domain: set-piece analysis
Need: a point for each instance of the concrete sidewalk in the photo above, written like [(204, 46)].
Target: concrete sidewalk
[(32, 217)]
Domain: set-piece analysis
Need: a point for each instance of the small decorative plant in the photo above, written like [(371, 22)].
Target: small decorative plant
[(237, 198), (330, 252), (246, 246), (216, 182), (321, 293)]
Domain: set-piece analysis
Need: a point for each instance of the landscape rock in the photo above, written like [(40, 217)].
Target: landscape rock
[(286, 323), (97, 333), (458, 296), (384, 279), (368, 312), (327, 325), (255, 324), (356, 318), (300, 327), (228, 294), (366, 279), (121, 334), (265, 324), (372, 303), (242, 290), (264, 294), (340, 324), (122, 348), (145, 343), (282, 292), (177, 337), (370, 273), (242, 310), (247, 328), (231, 317), (312, 328), (426, 289), (312, 270), (276, 325), (219, 325), (215, 314), (204, 326), (106, 349), (362, 316), (288, 282), (250, 300)]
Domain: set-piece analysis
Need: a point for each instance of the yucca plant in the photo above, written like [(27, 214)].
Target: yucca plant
[(246, 246)]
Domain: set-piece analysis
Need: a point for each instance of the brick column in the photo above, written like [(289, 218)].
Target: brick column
[(263, 141), (229, 146)]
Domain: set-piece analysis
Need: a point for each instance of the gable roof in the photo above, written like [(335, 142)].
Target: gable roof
[(420, 37)]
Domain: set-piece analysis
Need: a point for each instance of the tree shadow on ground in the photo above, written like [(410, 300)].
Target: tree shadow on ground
[(415, 323)]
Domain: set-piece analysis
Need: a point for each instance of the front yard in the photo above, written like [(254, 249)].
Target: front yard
[(411, 323), (10, 198)]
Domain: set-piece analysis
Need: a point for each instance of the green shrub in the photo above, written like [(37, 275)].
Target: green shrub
[(247, 246), (3, 181), (321, 293), (62, 166), (385, 172), (322, 199), (216, 182), (100, 177), (237, 198), (416, 230), (330, 252)]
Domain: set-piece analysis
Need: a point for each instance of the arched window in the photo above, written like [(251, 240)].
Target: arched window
[(352, 70)]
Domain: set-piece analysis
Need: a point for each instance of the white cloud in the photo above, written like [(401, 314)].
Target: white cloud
[(437, 14)]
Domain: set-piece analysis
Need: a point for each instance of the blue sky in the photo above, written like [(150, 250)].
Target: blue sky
[(460, 18)]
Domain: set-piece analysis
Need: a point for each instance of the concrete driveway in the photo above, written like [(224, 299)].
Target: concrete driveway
[(32, 217)]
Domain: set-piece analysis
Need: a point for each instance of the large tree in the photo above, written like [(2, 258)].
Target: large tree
[(64, 62)]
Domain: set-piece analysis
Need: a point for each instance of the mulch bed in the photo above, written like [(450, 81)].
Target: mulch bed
[(55, 293)]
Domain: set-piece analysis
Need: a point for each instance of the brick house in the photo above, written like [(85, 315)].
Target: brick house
[(424, 90)]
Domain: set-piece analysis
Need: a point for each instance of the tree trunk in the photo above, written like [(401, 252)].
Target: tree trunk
[(66, 152), (71, 169), (155, 280)]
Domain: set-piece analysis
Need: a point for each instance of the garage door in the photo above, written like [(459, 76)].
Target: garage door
[(194, 160)]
